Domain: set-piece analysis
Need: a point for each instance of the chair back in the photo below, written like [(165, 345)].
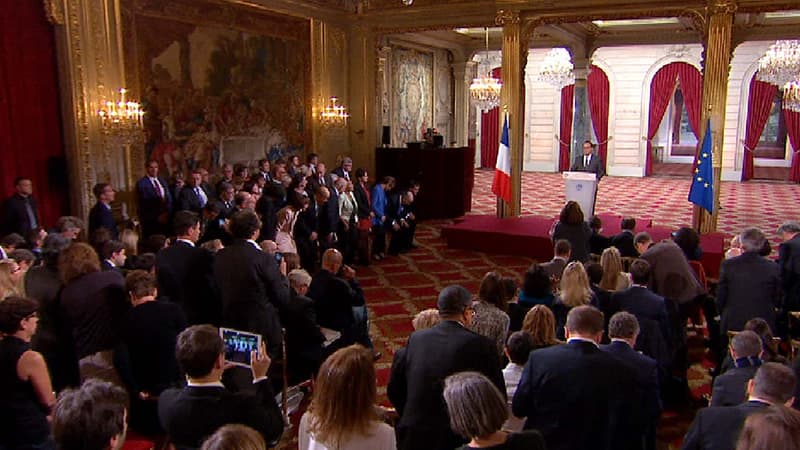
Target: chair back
[(700, 273)]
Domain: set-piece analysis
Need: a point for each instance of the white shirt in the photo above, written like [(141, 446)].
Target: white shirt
[(207, 384), (380, 436), (111, 263), (511, 374), (185, 241), (255, 244)]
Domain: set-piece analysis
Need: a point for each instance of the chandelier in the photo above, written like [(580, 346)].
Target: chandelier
[(333, 115), (780, 64), (556, 69), (791, 96), (484, 92), (122, 120)]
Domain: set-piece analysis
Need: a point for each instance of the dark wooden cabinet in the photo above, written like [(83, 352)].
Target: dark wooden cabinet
[(447, 176)]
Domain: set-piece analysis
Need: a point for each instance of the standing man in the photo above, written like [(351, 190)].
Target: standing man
[(589, 162), (789, 263), (21, 215), (100, 215), (345, 170), (192, 197), (155, 202)]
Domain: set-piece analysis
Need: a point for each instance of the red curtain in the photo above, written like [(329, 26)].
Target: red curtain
[(759, 105), (31, 142), (490, 131), (597, 91), (661, 89), (692, 88), (792, 120), (565, 137)]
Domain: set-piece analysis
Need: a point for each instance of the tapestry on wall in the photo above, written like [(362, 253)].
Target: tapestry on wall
[(215, 94), (412, 95)]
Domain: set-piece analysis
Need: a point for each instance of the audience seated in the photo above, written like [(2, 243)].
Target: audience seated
[(689, 241), (768, 345), (575, 291), (571, 226), (774, 427), (192, 414), (717, 427), (113, 257), (562, 251), (623, 241), (478, 410), (601, 299), (91, 417), (491, 317), (641, 302), (537, 287), (597, 242), (540, 323), (520, 344), (614, 278), (235, 437), (433, 354), (730, 388), (343, 414)]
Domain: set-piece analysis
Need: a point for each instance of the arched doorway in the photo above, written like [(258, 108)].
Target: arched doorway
[(490, 131)]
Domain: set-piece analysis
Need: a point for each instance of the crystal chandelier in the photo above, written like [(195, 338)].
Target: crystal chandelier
[(556, 69), (333, 115), (484, 92), (122, 121), (781, 63), (791, 96)]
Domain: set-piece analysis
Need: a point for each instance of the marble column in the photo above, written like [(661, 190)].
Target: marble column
[(716, 66), (462, 77)]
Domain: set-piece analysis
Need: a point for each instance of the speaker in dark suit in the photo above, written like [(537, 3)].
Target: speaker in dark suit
[(417, 376), (589, 162)]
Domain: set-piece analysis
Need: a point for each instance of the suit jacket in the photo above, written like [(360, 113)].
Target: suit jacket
[(645, 371), (363, 201), (624, 243), (192, 414), (253, 291), (417, 378), (644, 304), (580, 397), (15, 215), (717, 428), (340, 172), (789, 264), (334, 299), (554, 267), (151, 205), (186, 277), (267, 210), (598, 243), (189, 200), (578, 236), (671, 276), (595, 166), (100, 217), (303, 336), (314, 183), (748, 287), (730, 388)]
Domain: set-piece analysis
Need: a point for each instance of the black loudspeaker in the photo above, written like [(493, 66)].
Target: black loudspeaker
[(386, 136), (57, 173)]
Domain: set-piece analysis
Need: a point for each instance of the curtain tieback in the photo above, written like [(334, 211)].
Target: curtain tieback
[(746, 147), (558, 138)]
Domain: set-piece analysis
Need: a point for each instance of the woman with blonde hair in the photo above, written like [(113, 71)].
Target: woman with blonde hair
[(12, 279), (342, 414), (425, 319), (130, 239), (541, 324), (614, 279), (575, 291), (284, 237), (235, 437)]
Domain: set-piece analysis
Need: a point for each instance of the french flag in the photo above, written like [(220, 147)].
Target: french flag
[(502, 170)]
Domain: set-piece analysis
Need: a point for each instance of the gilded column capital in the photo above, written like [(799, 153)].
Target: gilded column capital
[(722, 7), (507, 17), (54, 11)]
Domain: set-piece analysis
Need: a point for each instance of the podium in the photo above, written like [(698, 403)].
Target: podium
[(581, 187)]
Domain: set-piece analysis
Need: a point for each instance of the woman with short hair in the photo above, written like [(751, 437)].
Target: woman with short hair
[(491, 317), (541, 324), (478, 410), (342, 414)]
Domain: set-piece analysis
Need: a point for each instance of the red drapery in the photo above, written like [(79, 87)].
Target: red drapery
[(565, 137), (597, 91), (692, 88), (490, 131), (30, 117), (759, 106), (793, 131), (661, 89)]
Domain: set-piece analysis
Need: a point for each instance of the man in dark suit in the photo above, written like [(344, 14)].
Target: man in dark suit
[(589, 162), (417, 376), (100, 215), (671, 276), (253, 286), (748, 286), (555, 267), (578, 396), (318, 179), (623, 329), (155, 202), (20, 214), (624, 239), (304, 339), (192, 197), (306, 234), (336, 298), (789, 264), (642, 302), (191, 414), (226, 195), (327, 200), (113, 254), (345, 170), (730, 388), (597, 242), (717, 428), (186, 273)]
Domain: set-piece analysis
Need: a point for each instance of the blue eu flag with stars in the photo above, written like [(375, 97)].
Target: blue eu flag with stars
[(702, 191)]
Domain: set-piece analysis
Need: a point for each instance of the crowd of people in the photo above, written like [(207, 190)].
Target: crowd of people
[(114, 327)]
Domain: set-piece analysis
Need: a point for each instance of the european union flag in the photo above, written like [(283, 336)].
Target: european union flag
[(702, 191)]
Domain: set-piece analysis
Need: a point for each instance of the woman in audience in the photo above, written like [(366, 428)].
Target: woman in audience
[(93, 303), (235, 437), (770, 352), (425, 319), (689, 241), (614, 279), (130, 239), (491, 319), (772, 428), (572, 227), (26, 394), (294, 165), (297, 191), (12, 281), (536, 288), (575, 291), (478, 411), (343, 414), (284, 237), (736, 248), (348, 218), (292, 261), (540, 323)]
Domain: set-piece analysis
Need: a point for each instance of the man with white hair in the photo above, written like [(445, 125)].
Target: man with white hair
[(346, 169), (748, 285), (789, 263), (304, 338)]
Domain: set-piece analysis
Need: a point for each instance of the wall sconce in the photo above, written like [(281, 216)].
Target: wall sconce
[(122, 120)]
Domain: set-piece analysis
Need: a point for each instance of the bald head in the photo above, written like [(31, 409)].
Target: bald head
[(332, 260)]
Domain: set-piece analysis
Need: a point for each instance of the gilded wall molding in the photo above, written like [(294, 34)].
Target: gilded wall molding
[(54, 11)]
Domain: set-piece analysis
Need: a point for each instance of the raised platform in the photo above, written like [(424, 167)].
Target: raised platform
[(530, 236)]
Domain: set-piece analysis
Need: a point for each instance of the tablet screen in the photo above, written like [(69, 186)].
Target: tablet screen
[(238, 345)]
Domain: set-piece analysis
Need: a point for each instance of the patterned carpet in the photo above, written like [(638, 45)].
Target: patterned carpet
[(399, 287)]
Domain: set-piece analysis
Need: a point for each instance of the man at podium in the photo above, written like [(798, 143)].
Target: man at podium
[(588, 162)]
